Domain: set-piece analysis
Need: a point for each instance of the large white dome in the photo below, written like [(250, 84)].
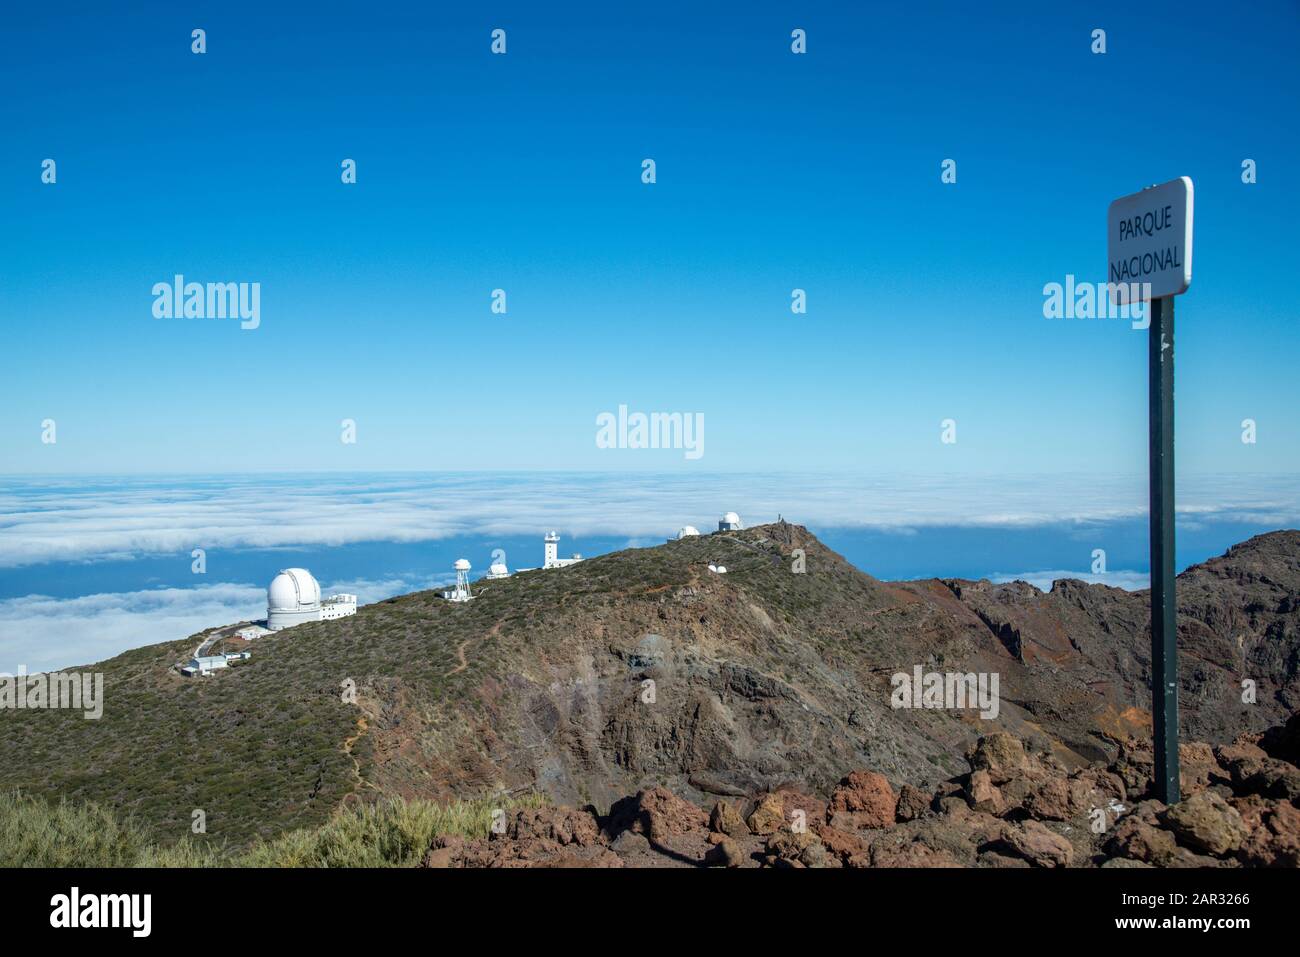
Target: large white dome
[(292, 589)]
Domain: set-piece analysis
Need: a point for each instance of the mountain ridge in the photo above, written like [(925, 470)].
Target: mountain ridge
[(763, 678)]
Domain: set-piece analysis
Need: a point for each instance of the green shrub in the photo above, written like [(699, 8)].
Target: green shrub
[(390, 833)]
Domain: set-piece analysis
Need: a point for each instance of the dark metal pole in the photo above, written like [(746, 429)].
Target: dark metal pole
[(1164, 612)]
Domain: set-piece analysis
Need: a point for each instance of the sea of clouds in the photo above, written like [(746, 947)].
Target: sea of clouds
[(44, 520), (63, 520)]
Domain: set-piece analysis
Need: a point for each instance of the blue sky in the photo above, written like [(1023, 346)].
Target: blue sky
[(522, 172)]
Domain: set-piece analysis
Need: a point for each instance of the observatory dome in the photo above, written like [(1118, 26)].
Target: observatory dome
[(462, 565), (292, 598), (292, 589), (686, 531)]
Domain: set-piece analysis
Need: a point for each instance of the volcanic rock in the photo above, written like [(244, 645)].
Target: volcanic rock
[(1205, 821), (867, 798)]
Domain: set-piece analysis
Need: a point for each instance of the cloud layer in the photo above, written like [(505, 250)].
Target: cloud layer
[(1127, 580), (43, 633), (43, 520)]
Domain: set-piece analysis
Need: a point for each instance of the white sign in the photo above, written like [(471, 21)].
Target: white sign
[(1149, 243)]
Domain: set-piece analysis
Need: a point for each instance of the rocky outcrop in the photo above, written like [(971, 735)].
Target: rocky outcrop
[(1014, 807)]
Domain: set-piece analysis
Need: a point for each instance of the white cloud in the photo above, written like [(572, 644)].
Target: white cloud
[(43, 633), (1127, 580), (45, 520)]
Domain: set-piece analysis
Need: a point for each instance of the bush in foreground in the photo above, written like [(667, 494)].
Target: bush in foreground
[(390, 833)]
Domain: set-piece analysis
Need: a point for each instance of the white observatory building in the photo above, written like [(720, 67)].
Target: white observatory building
[(461, 592), (730, 523), (293, 597), (552, 550)]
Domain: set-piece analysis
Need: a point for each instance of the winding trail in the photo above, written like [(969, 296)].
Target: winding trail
[(460, 653), (460, 649)]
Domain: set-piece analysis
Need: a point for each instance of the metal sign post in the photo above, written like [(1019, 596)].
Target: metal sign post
[(1164, 608), (1149, 246)]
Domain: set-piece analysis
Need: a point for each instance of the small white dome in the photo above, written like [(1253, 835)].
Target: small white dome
[(292, 589), (686, 531), (462, 565), (498, 568), (731, 518)]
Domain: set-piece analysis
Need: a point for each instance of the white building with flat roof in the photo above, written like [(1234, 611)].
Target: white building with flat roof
[(205, 665)]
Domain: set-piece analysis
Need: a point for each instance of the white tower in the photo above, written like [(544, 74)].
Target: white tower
[(552, 554), (461, 592)]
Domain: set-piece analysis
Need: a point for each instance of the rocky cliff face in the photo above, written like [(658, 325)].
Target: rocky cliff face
[(644, 667), (1012, 808)]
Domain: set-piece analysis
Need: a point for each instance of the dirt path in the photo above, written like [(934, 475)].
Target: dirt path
[(460, 651)]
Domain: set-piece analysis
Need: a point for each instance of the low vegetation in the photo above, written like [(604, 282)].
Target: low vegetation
[(390, 833)]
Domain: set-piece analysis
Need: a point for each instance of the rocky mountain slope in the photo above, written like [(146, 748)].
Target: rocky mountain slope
[(644, 668), (1011, 809)]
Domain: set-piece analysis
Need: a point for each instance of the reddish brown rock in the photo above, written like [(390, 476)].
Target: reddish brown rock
[(563, 825), (1198, 768), (982, 795), (1276, 842), (1136, 839), (994, 859), (658, 814), (804, 847), (726, 819), (725, 853), (510, 853), (915, 854), (1252, 809), (912, 803), (1038, 845), (867, 798), (1205, 821), (769, 816), (794, 801), (851, 850), (1135, 766), (1003, 756), (1051, 801)]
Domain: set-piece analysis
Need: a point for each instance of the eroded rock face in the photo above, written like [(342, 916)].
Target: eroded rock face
[(1039, 815)]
